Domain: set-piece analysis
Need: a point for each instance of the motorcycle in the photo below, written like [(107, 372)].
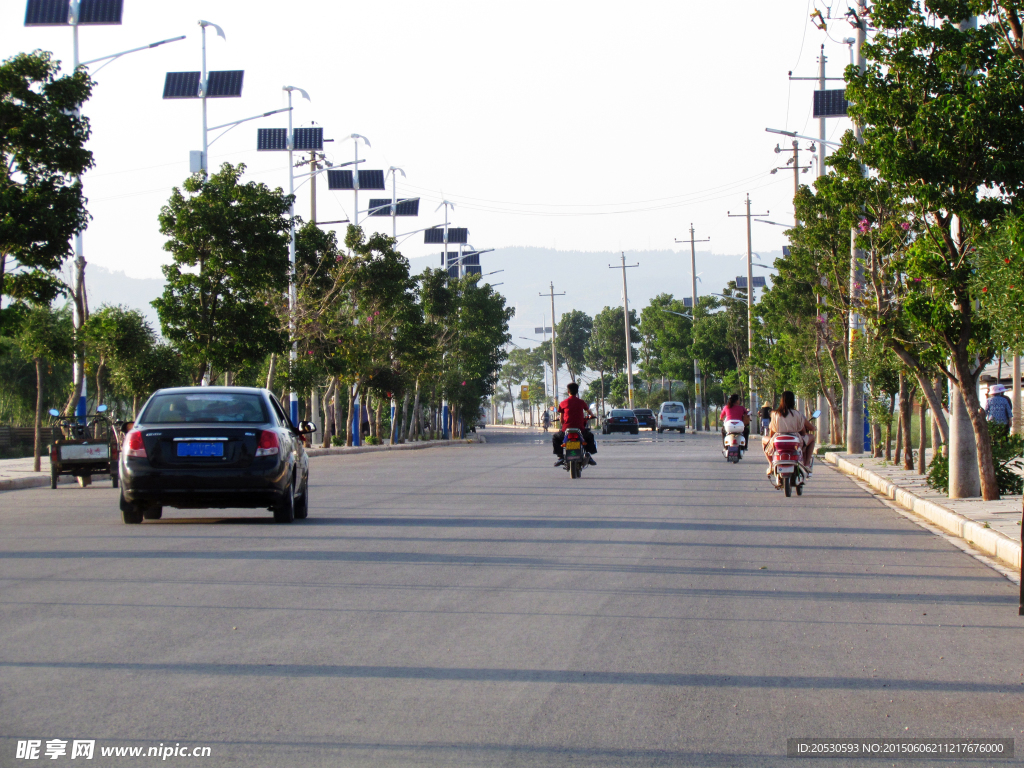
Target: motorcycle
[(733, 443), (787, 468), (574, 450)]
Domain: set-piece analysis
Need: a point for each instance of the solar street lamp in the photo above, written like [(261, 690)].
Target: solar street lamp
[(288, 140), (219, 84), (395, 207), (76, 13)]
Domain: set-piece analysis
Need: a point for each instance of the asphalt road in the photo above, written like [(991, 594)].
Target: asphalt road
[(473, 606)]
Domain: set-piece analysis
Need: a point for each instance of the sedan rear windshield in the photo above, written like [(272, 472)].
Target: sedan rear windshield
[(671, 409), (620, 414), (205, 407)]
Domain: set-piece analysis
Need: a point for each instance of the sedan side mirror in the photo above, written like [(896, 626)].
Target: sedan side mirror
[(306, 428)]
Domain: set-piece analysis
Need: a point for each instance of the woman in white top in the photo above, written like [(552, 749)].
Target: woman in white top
[(786, 419)]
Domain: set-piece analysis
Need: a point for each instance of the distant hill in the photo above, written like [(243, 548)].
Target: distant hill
[(104, 286)]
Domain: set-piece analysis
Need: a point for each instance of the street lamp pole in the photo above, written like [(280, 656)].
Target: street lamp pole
[(293, 354), (698, 404), (750, 301), (629, 340)]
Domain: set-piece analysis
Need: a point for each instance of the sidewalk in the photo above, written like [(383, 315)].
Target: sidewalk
[(993, 527), (16, 474)]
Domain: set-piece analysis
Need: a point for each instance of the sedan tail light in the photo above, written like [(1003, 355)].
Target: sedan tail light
[(134, 446), (268, 444)]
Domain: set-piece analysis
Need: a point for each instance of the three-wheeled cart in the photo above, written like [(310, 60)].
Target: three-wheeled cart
[(83, 447)]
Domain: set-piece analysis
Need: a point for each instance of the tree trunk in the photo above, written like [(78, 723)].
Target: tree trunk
[(329, 412), (36, 451), (272, 371), (876, 439), (135, 407), (979, 421), (938, 440), (337, 406), (922, 436), (379, 420), (351, 418), (889, 428), (99, 381), (899, 438), (906, 413), (415, 411)]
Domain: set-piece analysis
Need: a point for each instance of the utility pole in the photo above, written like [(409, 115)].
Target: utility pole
[(750, 300), (554, 354), (629, 340), (855, 400), (697, 403)]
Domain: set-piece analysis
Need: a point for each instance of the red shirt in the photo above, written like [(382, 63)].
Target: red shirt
[(734, 413), (573, 413)]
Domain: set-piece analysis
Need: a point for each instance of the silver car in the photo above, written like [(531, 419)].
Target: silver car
[(672, 415)]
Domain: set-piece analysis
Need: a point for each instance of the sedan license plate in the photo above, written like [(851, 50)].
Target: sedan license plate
[(573, 445), (200, 449)]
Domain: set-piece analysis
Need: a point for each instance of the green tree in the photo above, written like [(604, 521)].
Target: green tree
[(940, 110), (44, 336), (572, 334), (42, 147), (229, 242), (115, 335)]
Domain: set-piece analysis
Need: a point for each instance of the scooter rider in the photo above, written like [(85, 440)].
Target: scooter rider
[(545, 420), (736, 411), (573, 414), (786, 419)]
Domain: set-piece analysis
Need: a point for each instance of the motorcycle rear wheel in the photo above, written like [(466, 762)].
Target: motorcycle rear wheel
[(800, 489), (574, 471), (787, 486)]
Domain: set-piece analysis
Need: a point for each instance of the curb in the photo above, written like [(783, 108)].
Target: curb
[(987, 540), (42, 481), (417, 446)]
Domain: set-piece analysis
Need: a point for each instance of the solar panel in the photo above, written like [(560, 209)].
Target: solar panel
[(371, 179), (474, 269), (453, 272), (741, 282), (47, 13), (458, 235), (471, 259), (225, 84), (542, 330), (271, 139), (380, 208), (404, 207), (434, 236), (340, 180), (181, 85), (100, 11), (830, 103), (309, 138), (688, 301), (785, 250)]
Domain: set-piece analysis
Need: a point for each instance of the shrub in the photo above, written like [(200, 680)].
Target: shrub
[(337, 440), (1007, 450)]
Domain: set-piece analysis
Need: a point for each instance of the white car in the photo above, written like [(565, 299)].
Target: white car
[(672, 415)]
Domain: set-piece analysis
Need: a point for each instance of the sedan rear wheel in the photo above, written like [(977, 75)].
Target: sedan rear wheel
[(131, 512), (284, 511)]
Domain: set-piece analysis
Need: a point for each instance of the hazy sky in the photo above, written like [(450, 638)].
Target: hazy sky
[(575, 125)]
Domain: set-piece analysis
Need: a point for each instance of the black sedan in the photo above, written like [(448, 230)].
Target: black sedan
[(214, 447), (645, 418), (621, 420)]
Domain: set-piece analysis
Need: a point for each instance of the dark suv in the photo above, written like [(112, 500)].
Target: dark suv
[(645, 418)]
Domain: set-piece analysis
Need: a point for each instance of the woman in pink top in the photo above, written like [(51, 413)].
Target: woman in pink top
[(735, 411), (786, 419)]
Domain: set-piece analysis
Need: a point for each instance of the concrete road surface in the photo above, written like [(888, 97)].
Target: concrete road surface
[(473, 606)]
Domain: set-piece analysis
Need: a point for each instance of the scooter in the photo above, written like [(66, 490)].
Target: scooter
[(574, 450), (787, 470), (733, 443)]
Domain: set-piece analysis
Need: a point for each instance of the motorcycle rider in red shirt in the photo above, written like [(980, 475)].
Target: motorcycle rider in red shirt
[(573, 414)]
